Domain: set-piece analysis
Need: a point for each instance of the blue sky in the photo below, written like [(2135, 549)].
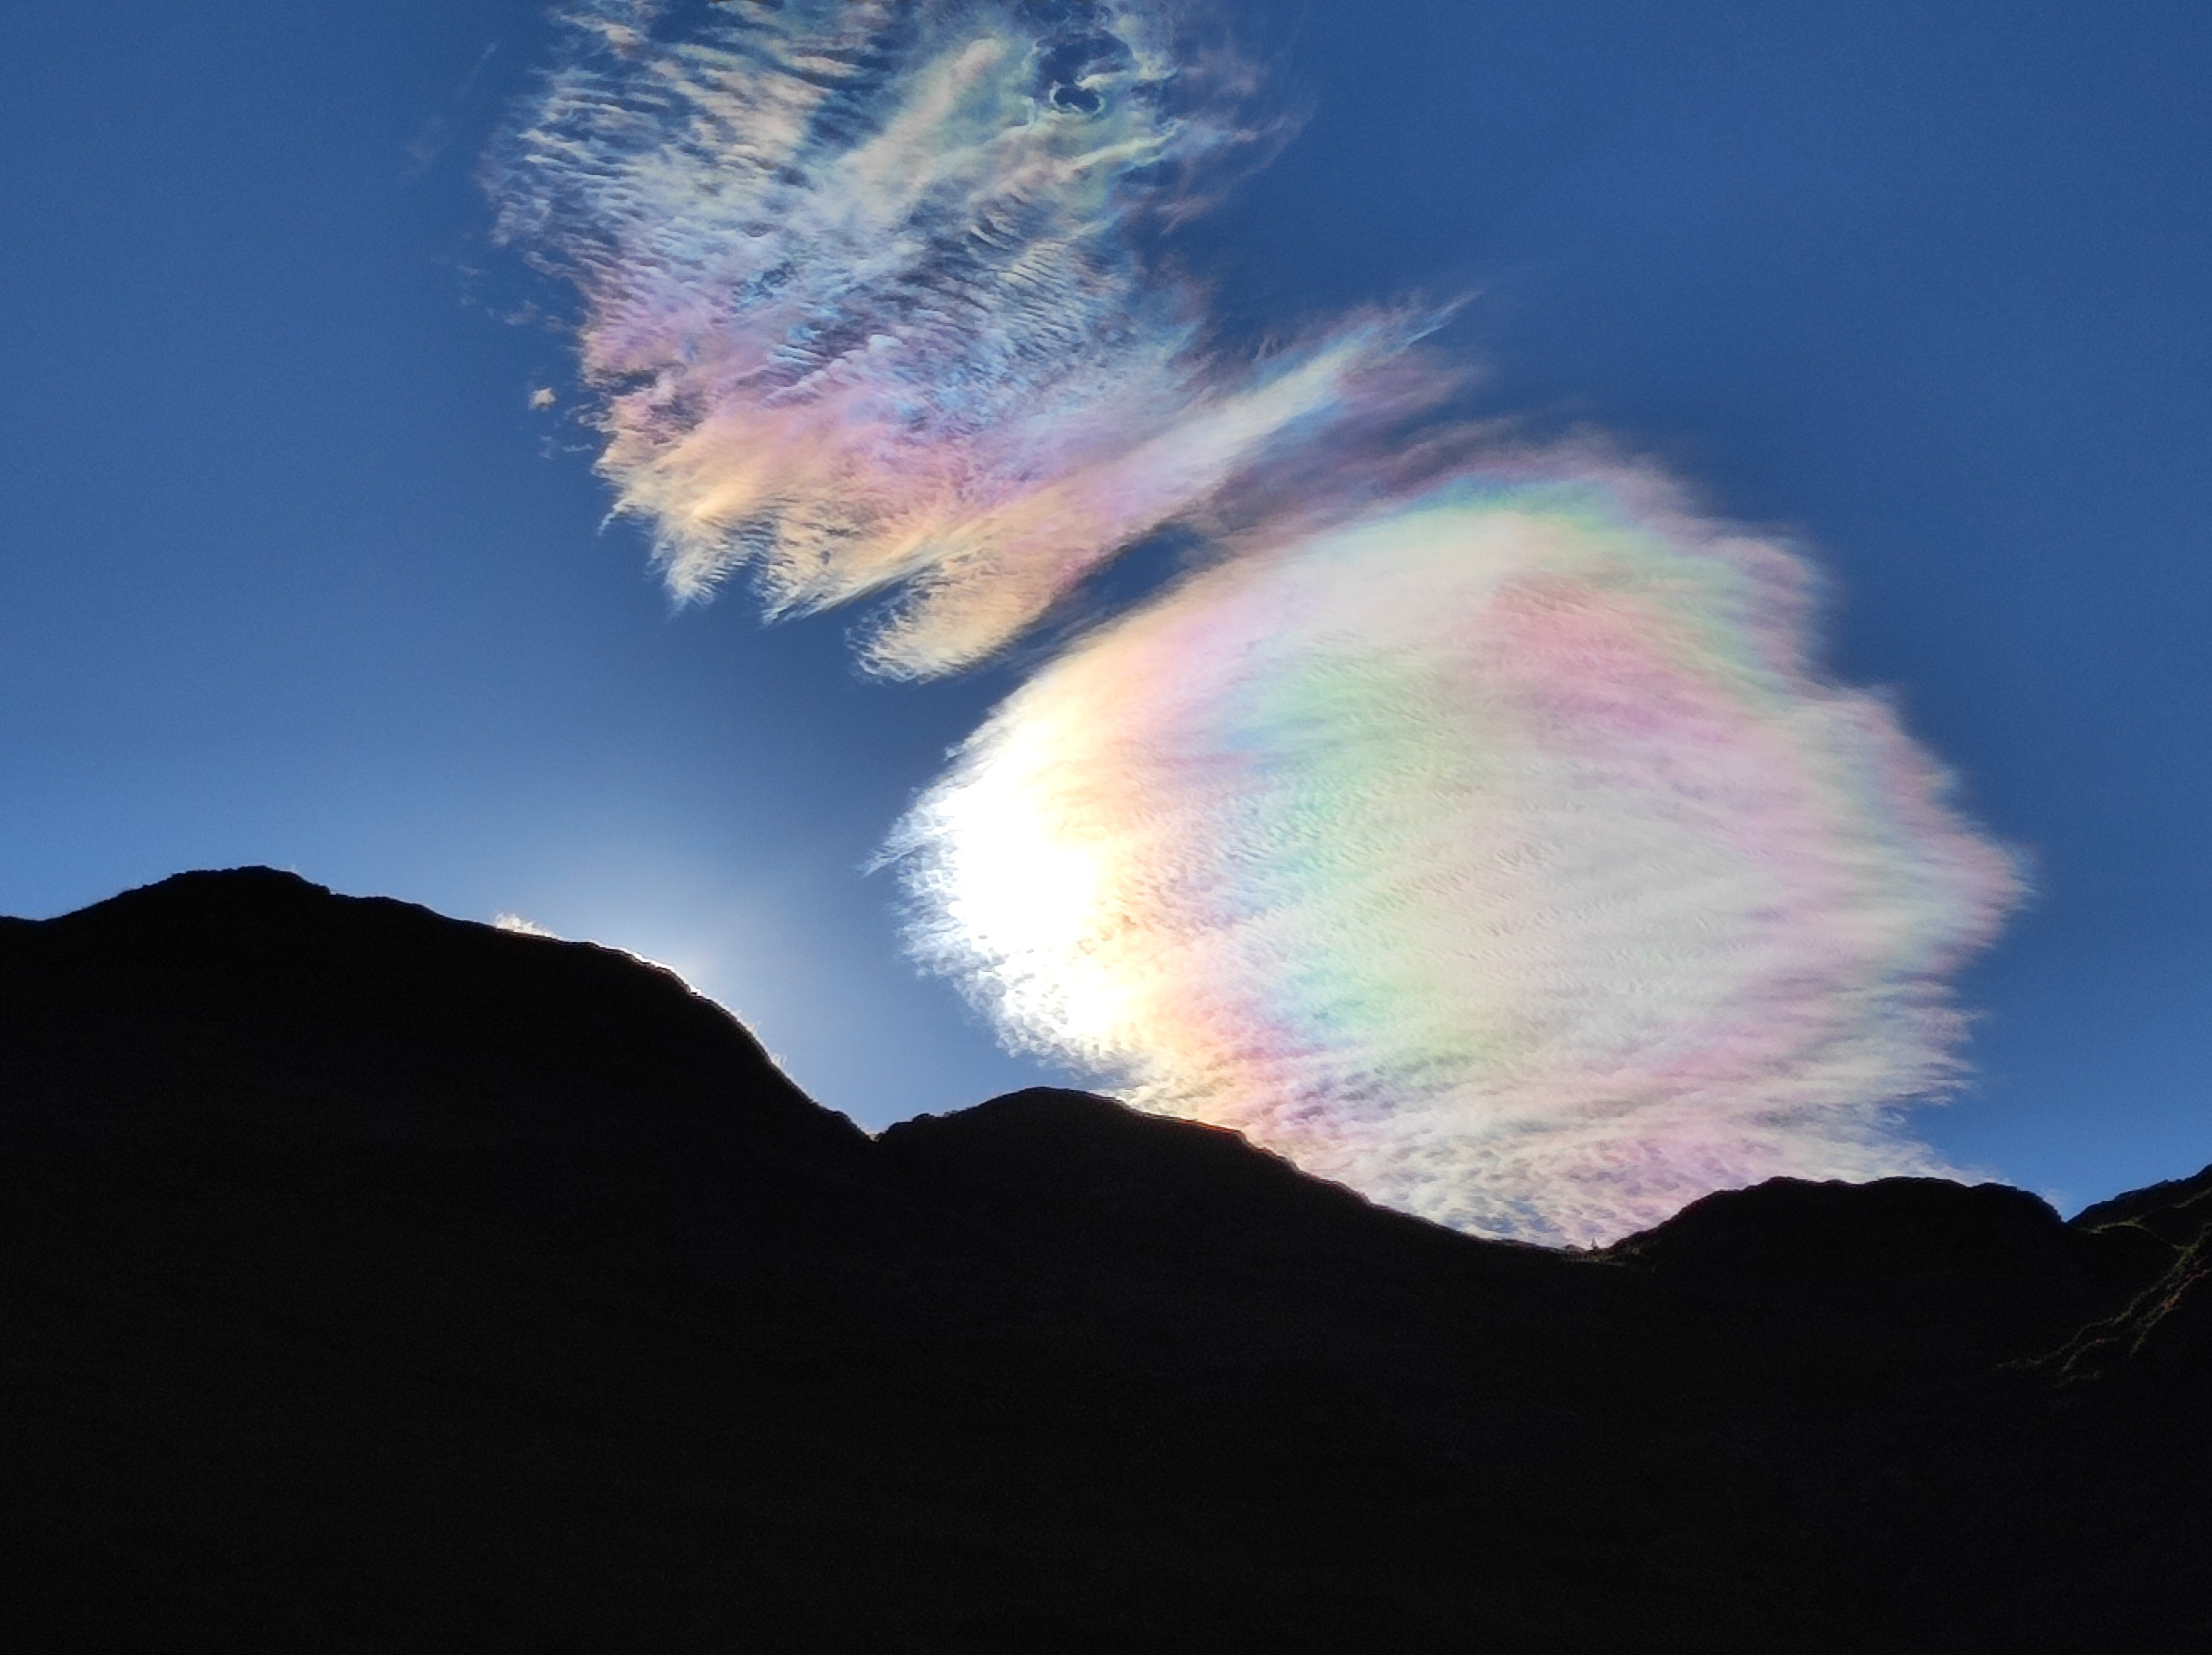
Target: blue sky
[(293, 573)]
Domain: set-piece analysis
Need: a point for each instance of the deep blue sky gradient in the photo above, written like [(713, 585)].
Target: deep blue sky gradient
[(290, 572)]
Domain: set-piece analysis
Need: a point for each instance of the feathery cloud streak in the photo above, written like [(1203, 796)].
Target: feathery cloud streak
[(1475, 832), (862, 294)]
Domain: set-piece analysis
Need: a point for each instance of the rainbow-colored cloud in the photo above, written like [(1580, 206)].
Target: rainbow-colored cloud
[(1473, 829), (1497, 854), (862, 298)]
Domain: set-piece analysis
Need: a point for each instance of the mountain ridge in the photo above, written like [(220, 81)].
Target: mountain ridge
[(376, 1280)]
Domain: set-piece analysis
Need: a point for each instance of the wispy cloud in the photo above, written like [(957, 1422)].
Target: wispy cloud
[(1474, 830), (863, 296)]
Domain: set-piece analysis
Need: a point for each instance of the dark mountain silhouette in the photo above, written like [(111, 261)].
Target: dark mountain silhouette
[(373, 1281)]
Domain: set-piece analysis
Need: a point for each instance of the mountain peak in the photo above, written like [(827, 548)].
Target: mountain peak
[(378, 1279)]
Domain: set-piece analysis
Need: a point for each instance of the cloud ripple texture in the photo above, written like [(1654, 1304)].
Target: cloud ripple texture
[(864, 298), (1476, 829)]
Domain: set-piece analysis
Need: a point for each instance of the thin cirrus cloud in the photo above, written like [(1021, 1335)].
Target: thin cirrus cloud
[(1474, 830), (862, 299)]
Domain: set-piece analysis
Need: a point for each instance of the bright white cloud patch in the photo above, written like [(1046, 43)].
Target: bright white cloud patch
[(1474, 832), (1497, 855)]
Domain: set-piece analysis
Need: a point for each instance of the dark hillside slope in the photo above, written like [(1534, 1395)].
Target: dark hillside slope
[(373, 1281)]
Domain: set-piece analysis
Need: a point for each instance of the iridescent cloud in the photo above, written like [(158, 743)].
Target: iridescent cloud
[(1498, 854), (863, 295), (1473, 829)]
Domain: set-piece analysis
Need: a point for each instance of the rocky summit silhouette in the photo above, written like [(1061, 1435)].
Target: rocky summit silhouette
[(375, 1281)]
